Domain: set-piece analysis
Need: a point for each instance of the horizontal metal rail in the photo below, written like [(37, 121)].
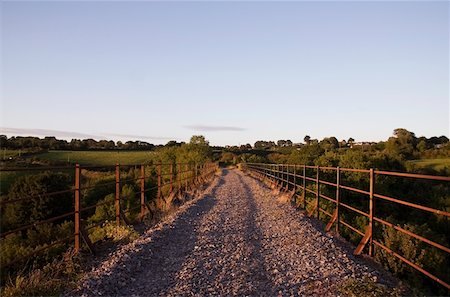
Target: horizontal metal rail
[(191, 176), (284, 176)]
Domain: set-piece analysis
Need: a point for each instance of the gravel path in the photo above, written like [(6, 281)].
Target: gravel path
[(235, 240)]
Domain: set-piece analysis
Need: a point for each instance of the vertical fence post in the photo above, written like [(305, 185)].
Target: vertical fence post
[(295, 185), (288, 177), (117, 201), (317, 193), (338, 177), (158, 195), (304, 187), (371, 211), (295, 178), (280, 177), (171, 177), (142, 191), (77, 208), (265, 173)]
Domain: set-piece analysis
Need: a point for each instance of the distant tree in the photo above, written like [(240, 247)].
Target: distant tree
[(199, 140), (3, 141), (172, 143), (196, 151), (281, 142), (228, 158), (422, 145), (307, 139), (350, 141), (443, 139), (329, 143), (256, 159), (264, 144), (403, 143)]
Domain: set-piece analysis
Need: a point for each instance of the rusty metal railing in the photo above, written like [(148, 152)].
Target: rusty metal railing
[(292, 177), (171, 180)]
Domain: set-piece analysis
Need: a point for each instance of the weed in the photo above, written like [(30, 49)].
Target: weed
[(367, 287)]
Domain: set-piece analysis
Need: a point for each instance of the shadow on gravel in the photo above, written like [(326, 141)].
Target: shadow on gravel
[(150, 268), (264, 285)]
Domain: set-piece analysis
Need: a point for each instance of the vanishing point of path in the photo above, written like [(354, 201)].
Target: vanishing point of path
[(237, 239)]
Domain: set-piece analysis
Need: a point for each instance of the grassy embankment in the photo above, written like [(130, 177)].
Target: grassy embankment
[(101, 158), (96, 157), (435, 164)]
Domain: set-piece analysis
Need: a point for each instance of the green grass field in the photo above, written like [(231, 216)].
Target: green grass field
[(436, 164), (97, 157), (6, 154)]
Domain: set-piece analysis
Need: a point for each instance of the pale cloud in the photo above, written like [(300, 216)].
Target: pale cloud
[(69, 135), (131, 136), (45, 132), (208, 128)]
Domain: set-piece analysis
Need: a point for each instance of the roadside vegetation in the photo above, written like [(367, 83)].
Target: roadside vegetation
[(30, 259)]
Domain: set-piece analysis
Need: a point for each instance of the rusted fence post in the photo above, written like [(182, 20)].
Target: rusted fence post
[(371, 211), (117, 200), (77, 208), (304, 187), (338, 177), (142, 191), (295, 179), (288, 177), (264, 169), (317, 192)]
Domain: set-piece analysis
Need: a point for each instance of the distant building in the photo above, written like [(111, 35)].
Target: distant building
[(362, 143)]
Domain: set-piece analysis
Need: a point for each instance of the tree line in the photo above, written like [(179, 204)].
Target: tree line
[(52, 143)]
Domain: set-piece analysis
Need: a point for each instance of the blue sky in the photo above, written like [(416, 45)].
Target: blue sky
[(235, 72)]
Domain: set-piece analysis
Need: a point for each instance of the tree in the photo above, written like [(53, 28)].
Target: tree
[(199, 140), (403, 143), (422, 145), (307, 139), (329, 143), (196, 151), (350, 141), (172, 143), (3, 141), (281, 142), (261, 144), (44, 207)]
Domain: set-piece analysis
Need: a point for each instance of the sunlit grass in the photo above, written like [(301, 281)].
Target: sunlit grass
[(97, 157), (436, 164)]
